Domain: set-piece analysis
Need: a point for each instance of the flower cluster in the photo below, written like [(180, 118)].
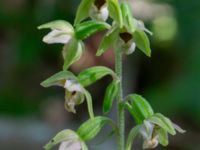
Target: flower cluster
[(125, 34)]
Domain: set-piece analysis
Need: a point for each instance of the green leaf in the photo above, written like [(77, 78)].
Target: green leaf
[(58, 79), (110, 95), (72, 52), (162, 123), (128, 21), (92, 127), (115, 11), (142, 42), (89, 103), (59, 25), (131, 136), (88, 28), (83, 10), (91, 75), (163, 137), (108, 40), (64, 135), (139, 108)]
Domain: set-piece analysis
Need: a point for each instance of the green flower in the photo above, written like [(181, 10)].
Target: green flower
[(68, 139), (128, 36), (61, 32), (64, 33), (127, 40), (75, 93), (99, 10), (155, 131)]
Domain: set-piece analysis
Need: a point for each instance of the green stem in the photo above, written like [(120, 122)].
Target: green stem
[(120, 110)]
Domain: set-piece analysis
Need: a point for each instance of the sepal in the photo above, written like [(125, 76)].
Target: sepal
[(138, 107), (86, 29), (83, 10), (110, 95), (72, 52), (92, 127), (93, 74)]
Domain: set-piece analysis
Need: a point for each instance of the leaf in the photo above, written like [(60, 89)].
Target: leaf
[(128, 20), (115, 11), (83, 10), (108, 40), (131, 136), (161, 123), (89, 103), (59, 25), (163, 137), (110, 95), (91, 75), (72, 52), (88, 28), (142, 42), (64, 135), (139, 107), (58, 78), (92, 127)]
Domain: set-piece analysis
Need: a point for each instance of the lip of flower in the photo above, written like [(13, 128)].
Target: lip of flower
[(99, 10), (127, 42), (152, 143), (70, 145), (74, 95), (99, 3), (68, 139), (148, 132)]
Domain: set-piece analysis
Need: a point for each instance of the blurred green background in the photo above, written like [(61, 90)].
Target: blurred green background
[(30, 115)]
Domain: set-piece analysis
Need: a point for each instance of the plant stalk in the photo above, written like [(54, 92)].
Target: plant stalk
[(120, 110)]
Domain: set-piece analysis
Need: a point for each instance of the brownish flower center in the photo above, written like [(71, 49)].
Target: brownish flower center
[(99, 3), (125, 36), (73, 93)]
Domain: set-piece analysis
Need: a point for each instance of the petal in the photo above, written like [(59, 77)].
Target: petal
[(57, 36), (100, 15), (140, 25), (131, 48), (70, 145), (104, 13), (58, 25), (72, 86), (178, 128), (150, 144), (147, 130), (72, 99)]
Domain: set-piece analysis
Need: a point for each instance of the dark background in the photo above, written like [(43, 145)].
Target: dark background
[(30, 115)]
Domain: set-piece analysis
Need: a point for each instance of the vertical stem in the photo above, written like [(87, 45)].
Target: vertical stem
[(120, 111)]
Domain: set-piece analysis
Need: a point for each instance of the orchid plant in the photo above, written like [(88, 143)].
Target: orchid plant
[(124, 34)]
